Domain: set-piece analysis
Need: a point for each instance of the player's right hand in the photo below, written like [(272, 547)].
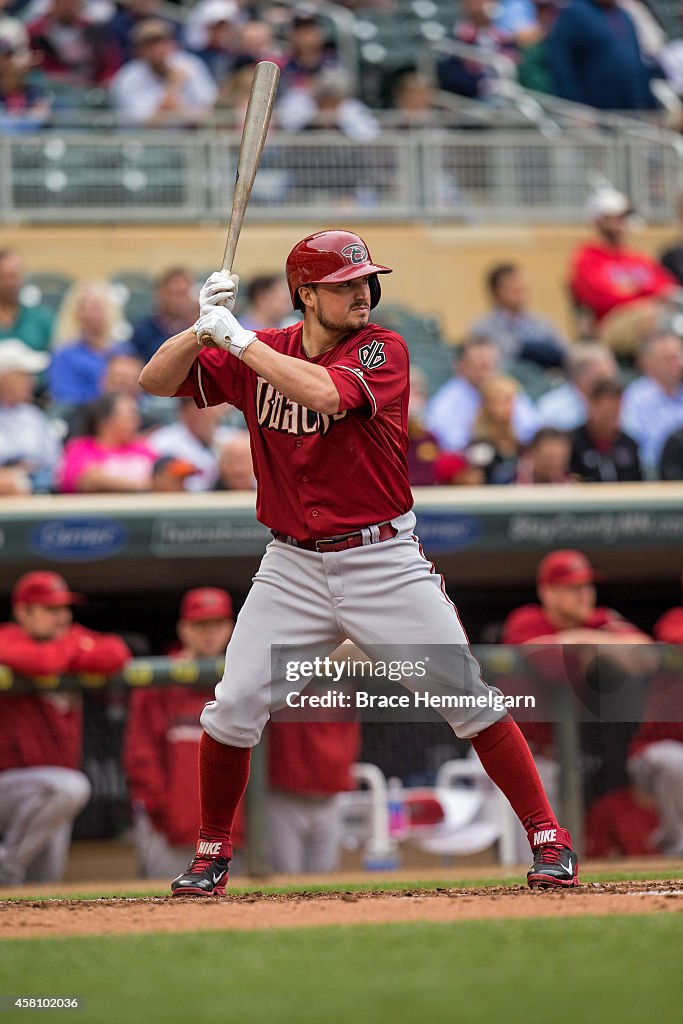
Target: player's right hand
[(219, 290)]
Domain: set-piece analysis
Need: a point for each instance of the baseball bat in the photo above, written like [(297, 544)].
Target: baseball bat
[(259, 110)]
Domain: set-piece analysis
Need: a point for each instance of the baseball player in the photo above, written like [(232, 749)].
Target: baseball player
[(326, 405)]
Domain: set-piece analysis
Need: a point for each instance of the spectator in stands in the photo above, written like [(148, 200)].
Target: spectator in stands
[(649, 30), (451, 411), (495, 445), (192, 438), (413, 101), (566, 407), (29, 449), (170, 475), (468, 77), (655, 761), (219, 34), (42, 789), (89, 322), (671, 462), (535, 71), (328, 105), (110, 455), (175, 306), (268, 303), (235, 464), (24, 102), (546, 459), (518, 332), (624, 290), (309, 52), (130, 13), (596, 58), (653, 404), (671, 62), (122, 373), (601, 451), (621, 823), (517, 19), (71, 47), (161, 744), (164, 86), (672, 257), (31, 324), (424, 450)]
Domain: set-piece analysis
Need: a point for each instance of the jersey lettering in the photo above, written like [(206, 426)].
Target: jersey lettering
[(372, 355), (275, 412)]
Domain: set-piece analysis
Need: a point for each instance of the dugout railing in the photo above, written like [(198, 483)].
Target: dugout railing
[(609, 711)]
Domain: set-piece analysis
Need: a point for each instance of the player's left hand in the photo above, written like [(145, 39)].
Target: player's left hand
[(218, 328), (220, 289)]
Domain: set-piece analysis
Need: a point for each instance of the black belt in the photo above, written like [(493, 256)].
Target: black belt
[(370, 535)]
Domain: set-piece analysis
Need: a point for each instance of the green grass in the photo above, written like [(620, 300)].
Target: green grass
[(389, 885), (584, 970)]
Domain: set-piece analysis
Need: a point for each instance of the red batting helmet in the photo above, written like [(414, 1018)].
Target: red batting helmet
[(331, 257)]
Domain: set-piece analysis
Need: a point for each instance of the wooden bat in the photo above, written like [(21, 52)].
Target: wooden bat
[(259, 110)]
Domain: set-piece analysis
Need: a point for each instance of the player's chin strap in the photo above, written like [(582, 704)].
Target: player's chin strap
[(218, 328)]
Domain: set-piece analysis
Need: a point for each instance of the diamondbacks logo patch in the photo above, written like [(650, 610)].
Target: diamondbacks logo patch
[(372, 355), (355, 253)]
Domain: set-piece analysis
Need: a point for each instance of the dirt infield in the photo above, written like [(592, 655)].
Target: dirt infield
[(254, 911)]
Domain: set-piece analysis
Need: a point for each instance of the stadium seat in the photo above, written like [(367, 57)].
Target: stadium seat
[(47, 289), (136, 293), (428, 349)]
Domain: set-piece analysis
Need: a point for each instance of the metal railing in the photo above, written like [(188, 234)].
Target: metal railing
[(439, 173)]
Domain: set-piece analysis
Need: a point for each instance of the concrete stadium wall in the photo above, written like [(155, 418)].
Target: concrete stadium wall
[(439, 269)]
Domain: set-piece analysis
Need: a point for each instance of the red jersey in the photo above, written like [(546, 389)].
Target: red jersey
[(669, 629), (318, 475), (46, 729), (312, 758), (529, 623), (603, 278), (616, 825), (161, 759), (663, 716)]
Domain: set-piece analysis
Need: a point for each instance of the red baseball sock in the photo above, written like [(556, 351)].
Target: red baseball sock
[(223, 776), (507, 760)]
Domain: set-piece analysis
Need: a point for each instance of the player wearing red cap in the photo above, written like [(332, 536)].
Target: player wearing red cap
[(162, 739), (326, 404), (41, 787)]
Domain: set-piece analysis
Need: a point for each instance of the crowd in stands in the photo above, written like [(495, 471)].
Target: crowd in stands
[(524, 404), (172, 65)]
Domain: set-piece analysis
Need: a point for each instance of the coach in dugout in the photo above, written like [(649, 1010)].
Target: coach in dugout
[(41, 788), (161, 746)]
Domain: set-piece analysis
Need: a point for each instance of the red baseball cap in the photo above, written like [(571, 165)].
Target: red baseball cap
[(48, 588), (206, 603), (566, 568)]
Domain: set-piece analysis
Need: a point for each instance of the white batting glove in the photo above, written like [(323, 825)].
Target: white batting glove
[(218, 328), (219, 290)]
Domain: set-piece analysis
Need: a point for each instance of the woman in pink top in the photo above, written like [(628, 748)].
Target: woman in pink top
[(111, 456)]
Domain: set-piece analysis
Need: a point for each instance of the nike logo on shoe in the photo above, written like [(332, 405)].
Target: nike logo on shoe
[(207, 849), (546, 835)]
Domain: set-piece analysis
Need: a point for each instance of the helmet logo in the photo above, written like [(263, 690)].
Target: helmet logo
[(355, 253), (372, 355)]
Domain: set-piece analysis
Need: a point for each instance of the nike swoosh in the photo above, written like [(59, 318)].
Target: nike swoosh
[(217, 878)]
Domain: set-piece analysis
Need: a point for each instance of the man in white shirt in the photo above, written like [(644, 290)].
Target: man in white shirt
[(653, 405), (163, 86), (566, 406), (451, 411), (192, 438), (28, 445)]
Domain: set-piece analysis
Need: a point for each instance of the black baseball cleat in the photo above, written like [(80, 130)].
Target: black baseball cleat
[(207, 872), (556, 865)]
